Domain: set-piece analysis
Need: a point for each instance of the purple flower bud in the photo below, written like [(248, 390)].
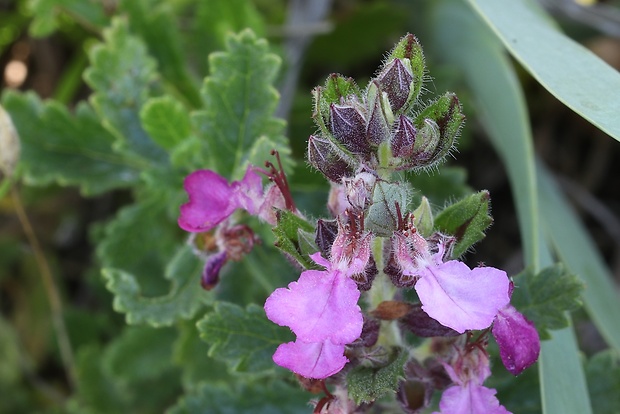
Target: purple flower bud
[(395, 80), (324, 156), (419, 323), (369, 335), (348, 126), (519, 344), (404, 138), (211, 271), (326, 231), (378, 128)]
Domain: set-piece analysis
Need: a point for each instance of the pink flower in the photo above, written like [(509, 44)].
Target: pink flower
[(212, 199), (518, 340), (311, 359), (321, 309), (321, 305), (468, 371), (450, 292)]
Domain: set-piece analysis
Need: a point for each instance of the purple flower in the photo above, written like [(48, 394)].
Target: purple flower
[(468, 371), (311, 359), (321, 305), (321, 309), (212, 199), (519, 344), (451, 293)]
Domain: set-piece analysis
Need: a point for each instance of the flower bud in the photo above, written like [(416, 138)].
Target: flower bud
[(326, 231), (396, 81), (401, 75), (437, 128), (335, 90), (211, 272), (380, 116), (419, 323), (423, 218), (325, 157), (404, 138), (348, 126)]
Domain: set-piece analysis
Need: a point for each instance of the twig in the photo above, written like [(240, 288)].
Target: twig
[(64, 344)]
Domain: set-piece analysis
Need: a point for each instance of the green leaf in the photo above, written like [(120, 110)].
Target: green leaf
[(563, 390), (366, 384), (184, 299), (382, 218), (465, 42), (122, 75), (67, 149), (46, 15), (140, 353), (603, 373), (243, 338), (140, 240), (166, 120), (288, 237), (569, 71), (157, 26), (215, 20), (239, 103), (466, 220), (259, 398), (577, 249), (545, 297), (10, 370)]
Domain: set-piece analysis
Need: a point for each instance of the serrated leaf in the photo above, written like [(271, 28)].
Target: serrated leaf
[(158, 26), (260, 398), (183, 300), (215, 20), (140, 240), (122, 75), (243, 338), (166, 120), (603, 373), (239, 102), (67, 149), (47, 14), (466, 220), (140, 353), (366, 384), (287, 236), (545, 297)]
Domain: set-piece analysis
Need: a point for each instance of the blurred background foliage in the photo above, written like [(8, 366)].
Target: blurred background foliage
[(64, 348)]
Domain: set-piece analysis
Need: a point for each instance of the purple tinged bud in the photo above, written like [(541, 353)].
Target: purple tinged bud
[(419, 323), (379, 120), (517, 338), (323, 156), (326, 231), (364, 280), (395, 80), (348, 127), (404, 138), (211, 271), (370, 333)]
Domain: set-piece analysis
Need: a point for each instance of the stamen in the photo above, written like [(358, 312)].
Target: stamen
[(277, 176)]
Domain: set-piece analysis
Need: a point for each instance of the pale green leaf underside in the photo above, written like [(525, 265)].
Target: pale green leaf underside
[(573, 74)]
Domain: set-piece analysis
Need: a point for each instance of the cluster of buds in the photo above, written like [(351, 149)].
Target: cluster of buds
[(384, 126)]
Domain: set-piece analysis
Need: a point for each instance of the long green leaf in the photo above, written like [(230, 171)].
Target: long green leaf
[(569, 71), (577, 250), (501, 106)]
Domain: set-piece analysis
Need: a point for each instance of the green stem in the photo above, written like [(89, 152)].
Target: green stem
[(62, 336)]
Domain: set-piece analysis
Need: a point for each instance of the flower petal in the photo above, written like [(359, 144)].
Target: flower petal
[(321, 305), (470, 399), (460, 298), (311, 359), (519, 344), (210, 201), (248, 193)]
